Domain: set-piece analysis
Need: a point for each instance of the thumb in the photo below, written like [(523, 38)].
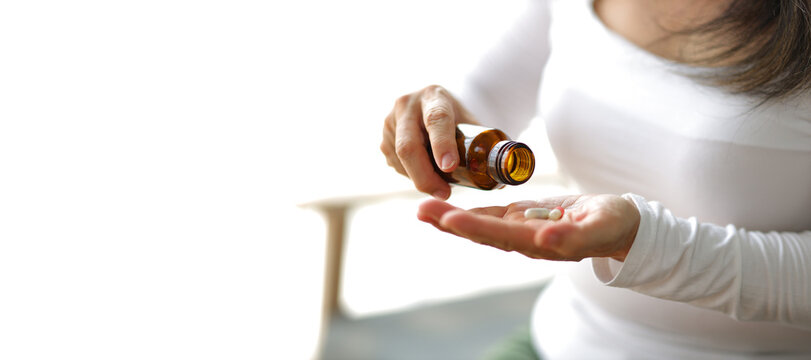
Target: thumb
[(562, 238), (440, 123)]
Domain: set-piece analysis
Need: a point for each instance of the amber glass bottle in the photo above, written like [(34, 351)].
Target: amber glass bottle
[(489, 159)]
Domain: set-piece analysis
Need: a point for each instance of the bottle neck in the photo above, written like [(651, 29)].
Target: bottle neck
[(510, 162)]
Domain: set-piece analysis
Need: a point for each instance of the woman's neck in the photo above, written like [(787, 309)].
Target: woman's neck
[(662, 27)]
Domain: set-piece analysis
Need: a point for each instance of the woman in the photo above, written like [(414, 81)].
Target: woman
[(691, 122)]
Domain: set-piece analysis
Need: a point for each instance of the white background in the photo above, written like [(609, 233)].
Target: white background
[(152, 154)]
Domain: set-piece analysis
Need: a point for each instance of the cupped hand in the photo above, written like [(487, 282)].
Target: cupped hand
[(591, 226), (426, 117)]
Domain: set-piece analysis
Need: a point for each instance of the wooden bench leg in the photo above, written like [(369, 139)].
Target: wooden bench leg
[(336, 228)]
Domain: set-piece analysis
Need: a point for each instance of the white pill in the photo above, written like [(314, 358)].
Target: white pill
[(555, 214), (536, 213)]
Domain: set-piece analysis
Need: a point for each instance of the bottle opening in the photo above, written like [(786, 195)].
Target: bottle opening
[(520, 164), (511, 163)]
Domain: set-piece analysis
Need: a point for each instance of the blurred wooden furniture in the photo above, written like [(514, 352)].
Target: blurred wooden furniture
[(335, 211)]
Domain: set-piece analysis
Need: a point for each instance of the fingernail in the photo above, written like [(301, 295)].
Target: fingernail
[(447, 162), (440, 194)]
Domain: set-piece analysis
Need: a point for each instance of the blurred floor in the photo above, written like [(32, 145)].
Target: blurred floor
[(462, 329)]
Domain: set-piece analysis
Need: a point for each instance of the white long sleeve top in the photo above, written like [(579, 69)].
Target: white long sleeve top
[(721, 265)]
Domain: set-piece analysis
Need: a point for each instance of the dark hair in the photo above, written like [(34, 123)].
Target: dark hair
[(765, 46)]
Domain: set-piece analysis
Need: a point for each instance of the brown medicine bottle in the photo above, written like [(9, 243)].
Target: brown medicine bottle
[(489, 159)]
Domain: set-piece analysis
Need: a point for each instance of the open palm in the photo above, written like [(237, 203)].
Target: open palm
[(592, 226)]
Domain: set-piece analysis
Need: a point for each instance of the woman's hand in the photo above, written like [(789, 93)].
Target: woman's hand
[(591, 226), (428, 116)]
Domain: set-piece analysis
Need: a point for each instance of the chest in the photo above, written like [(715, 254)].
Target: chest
[(623, 120)]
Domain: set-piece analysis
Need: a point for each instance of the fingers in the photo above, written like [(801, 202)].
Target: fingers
[(421, 124), (387, 146), (431, 211), (494, 226), (498, 211), (493, 231), (435, 212), (561, 238), (593, 226), (410, 147), (497, 227), (438, 117), (505, 228)]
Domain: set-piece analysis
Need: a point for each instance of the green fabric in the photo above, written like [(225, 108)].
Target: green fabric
[(516, 346)]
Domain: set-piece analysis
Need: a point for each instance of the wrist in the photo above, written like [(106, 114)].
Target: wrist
[(631, 214)]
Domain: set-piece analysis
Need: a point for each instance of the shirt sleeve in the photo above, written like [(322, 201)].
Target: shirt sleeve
[(502, 90), (749, 275)]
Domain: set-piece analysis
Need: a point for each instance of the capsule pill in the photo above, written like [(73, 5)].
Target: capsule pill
[(556, 213), (536, 213)]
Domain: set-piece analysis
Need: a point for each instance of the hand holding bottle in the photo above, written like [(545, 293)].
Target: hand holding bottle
[(426, 117)]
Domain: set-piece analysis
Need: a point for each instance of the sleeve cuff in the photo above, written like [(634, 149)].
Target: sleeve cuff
[(622, 274)]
